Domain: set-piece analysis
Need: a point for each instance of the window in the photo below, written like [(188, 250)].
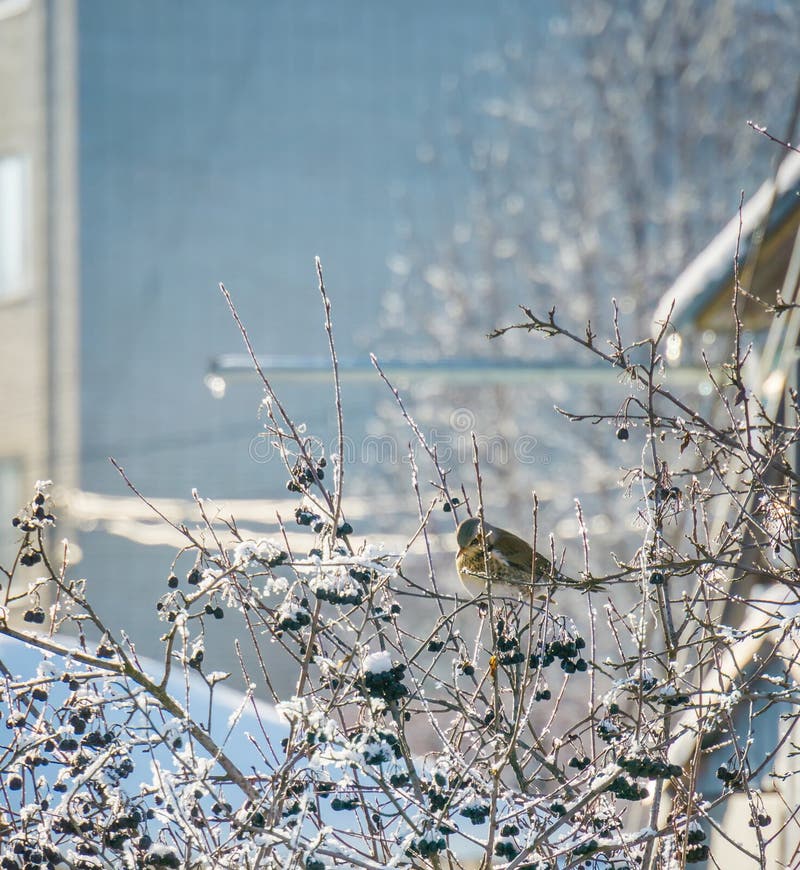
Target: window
[(14, 226), (10, 503)]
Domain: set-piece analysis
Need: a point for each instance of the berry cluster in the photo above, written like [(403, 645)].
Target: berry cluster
[(34, 855), (30, 557), (608, 730), (278, 559), (650, 768), (435, 794), (292, 617), (345, 595), (387, 685), (381, 612), (476, 810), (587, 848), (627, 789), (508, 645), (341, 804), (672, 698), (449, 505), (697, 850), (427, 845), (605, 822), (399, 780), (303, 475), (579, 763), (730, 774), (697, 854), (305, 517), (441, 789), (362, 575), (566, 650), (379, 747), (506, 848), (34, 515), (34, 615)]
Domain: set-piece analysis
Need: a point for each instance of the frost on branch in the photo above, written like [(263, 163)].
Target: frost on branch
[(422, 728)]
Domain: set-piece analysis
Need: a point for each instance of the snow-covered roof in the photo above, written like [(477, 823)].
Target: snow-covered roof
[(700, 282)]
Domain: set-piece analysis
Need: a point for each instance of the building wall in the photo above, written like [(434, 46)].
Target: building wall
[(38, 317), (23, 314), (234, 142)]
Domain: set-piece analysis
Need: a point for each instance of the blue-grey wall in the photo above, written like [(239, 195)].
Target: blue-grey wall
[(234, 141)]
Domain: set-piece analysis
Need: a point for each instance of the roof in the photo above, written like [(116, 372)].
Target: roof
[(711, 271)]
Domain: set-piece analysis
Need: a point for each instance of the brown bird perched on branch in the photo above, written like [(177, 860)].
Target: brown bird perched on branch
[(512, 563)]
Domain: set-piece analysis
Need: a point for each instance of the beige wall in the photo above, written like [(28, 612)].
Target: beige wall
[(23, 322), (39, 408)]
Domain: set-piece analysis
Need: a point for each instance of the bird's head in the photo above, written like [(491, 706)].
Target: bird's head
[(468, 533)]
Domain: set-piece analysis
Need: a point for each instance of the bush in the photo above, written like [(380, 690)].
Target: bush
[(532, 765)]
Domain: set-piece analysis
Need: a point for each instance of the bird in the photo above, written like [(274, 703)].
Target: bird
[(513, 566)]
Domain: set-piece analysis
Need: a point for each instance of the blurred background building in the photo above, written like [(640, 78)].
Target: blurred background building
[(148, 151), (38, 254)]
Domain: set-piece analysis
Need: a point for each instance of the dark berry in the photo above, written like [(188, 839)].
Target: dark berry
[(622, 433)]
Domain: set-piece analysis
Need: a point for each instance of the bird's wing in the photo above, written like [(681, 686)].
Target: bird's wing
[(512, 550)]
